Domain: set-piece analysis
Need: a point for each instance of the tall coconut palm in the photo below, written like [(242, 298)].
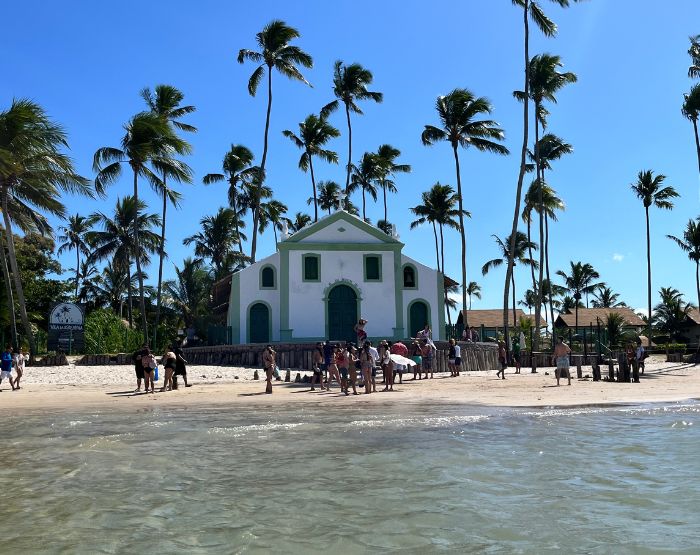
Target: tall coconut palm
[(364, 177), (531, 10), (73, 238), (89, 274), (217, 240), (117, 241), (33, 172), (522, 247), (690, 244), (385, 157), (605, 297), (694, 53), (237, 169), (350, 84), (275, 52), (166, 102), (529, 299), (459, 113), (189, 292), (671, 314), (650, 190), (473, 290), (545, 80), (253, 197), (299, 222), (328, 196), (314, 133), (580, 281), (691, 110), (146, 148), (272, 214)]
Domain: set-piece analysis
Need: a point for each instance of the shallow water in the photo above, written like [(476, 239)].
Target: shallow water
[(417, 479)]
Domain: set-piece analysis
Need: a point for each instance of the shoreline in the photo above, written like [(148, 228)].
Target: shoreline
[(81, 388)]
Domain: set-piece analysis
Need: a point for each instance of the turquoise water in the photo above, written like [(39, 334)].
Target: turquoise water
[(311, 479)]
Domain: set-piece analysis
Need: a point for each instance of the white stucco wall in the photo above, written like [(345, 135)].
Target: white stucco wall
[(427, 290), (307, 316), (250, 293)]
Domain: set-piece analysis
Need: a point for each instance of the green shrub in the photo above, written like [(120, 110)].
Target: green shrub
[(105, 333)]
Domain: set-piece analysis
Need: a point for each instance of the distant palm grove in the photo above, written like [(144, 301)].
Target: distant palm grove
[(120, 251)]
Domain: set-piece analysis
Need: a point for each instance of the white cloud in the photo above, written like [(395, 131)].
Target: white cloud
[(617, 257)]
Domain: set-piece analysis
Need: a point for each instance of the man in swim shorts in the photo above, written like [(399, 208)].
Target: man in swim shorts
[(561, 358), (6, 367)]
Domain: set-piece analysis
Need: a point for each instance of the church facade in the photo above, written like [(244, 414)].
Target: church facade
[(327, 276)]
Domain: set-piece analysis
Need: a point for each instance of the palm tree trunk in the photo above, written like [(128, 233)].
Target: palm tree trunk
[(232, 185), (385, 211), (646, 209), (347, 178), (697, 141), (142, 302), (130, 294), (437, 249), (521, 174), (364, 215), (529, 252), (15, 274), (10, 296), (161, 255), (540, 203), (442, 256), (697, 282), (77, 270), (512, 282), (313, 185), (462, 237), (267, 122), (549, 279), (254, 240)]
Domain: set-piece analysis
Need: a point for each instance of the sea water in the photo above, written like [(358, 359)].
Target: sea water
[(357, 479)]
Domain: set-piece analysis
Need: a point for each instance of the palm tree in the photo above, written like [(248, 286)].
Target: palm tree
[(694, 53), (691, 110), (166, 103), (272, 214), (531, 10), (473, 290), (605, 297), (671, 314), (217, 240), (650, 191), (350, 86), (690, 243), (189, 292), (522, 247), (74, 238), (33, 171), (117, 241), (314, 133), (328, 196), (581, 281), (386, 226), (148, 141), (450, 303), (253, 198), (529, 300), (89, 275), (568, 303), (545, 80), (275, 53), (386, 167), (459, 112), (299, 222), (237, 170), (364, 177)]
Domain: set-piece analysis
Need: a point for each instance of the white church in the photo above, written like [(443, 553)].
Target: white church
[(327, 276)]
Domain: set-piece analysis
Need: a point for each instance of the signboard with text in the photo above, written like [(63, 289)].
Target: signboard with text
[(66, 322)]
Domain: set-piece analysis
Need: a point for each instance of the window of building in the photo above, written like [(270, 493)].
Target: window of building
[(409, 277), (267, 278), (373, 267), (311, 267)]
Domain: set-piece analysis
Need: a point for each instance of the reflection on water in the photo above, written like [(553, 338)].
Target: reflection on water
[(312, 479)]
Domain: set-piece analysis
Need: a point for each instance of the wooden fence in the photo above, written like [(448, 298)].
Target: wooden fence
[(298, 356)]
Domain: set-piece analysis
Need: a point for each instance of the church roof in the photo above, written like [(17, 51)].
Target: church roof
[(341, 227)]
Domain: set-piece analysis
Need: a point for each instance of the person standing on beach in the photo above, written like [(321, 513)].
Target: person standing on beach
[(427, 358), (417, 358), (388, 370), (640, 355), (180, 365), (138, 365), (327, 360), (269, 365), (342, 361), (20, 360), (375, 362), (317, 363), (169, 361), (516, 354), (333, 368), (6, 367), (561, 358), (148, 363), (451, 356), (502, 359), (353, 366), (399, 348)]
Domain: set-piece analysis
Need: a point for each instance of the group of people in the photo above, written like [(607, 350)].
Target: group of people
[(146, 367), (12, 361)]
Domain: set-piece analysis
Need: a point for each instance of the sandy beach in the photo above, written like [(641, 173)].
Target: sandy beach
[(74, 387)]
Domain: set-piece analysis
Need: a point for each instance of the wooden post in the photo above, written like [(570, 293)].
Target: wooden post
[(579, 372)]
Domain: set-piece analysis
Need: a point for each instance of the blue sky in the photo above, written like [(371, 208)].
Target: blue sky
[(85, 62)]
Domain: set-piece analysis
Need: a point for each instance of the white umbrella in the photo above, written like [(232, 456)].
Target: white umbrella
[(398, 359)]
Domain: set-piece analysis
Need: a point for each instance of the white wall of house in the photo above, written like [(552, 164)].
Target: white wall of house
[(251, 293), (428, 291)]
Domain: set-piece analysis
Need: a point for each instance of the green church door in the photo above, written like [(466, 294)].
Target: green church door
[(342, 314), (417, 317), (259, 323)]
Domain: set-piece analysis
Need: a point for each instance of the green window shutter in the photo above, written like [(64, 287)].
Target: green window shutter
[(372, 268), (311, 268)]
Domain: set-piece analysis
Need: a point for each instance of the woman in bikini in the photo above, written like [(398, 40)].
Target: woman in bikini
[(366, 363), (269, 365), (169, 361), (333, 369)]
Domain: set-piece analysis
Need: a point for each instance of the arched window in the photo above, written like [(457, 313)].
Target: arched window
[(267, 278), (410, 280)]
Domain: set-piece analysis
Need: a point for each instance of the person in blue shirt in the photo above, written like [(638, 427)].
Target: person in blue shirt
[(6, 367)]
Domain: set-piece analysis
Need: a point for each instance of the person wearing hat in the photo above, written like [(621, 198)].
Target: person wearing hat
[(360, 331)]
